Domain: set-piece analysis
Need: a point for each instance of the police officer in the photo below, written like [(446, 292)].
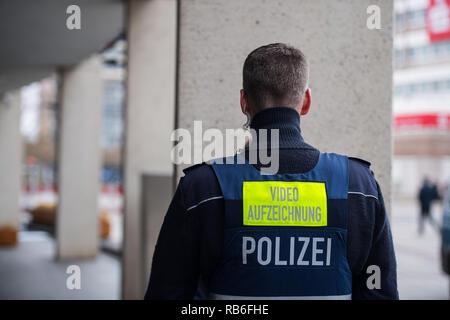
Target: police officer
[(315, 229)]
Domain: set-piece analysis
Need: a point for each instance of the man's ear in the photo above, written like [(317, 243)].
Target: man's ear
[(244, 103), (306, 104)]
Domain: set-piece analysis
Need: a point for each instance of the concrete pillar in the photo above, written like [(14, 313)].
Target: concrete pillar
[(11, 150), (79, 160), (149, 123), (351, 69)]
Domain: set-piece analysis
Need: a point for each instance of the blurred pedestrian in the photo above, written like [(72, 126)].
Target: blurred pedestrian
[(427, 194)]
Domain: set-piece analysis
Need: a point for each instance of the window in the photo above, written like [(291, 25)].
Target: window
[(439, 86)]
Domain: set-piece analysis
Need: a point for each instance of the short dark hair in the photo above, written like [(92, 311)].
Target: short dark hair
[(275, 74)]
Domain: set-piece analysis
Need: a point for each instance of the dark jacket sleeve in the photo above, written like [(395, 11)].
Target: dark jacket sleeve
[(175, 268), (370, 242)]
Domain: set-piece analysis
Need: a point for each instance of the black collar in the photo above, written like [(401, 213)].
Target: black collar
[(287, 120)]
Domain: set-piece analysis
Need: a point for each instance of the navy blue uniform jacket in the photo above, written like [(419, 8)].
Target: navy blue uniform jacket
[(190, 242)]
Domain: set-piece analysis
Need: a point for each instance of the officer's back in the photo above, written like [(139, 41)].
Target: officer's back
[(310, 230)]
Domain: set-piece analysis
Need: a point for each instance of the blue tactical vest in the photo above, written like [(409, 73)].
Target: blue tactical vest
[(284, 234)]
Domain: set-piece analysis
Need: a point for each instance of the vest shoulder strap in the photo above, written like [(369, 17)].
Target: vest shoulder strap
[(364, 162), (331, 168)]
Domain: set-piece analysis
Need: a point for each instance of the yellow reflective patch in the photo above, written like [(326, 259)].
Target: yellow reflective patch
[(284, 203)]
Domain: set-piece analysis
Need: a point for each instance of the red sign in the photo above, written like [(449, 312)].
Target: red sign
[(438, 20), (423, 121)]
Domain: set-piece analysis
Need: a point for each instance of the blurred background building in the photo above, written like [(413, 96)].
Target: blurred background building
[(421, 103), (421, 122), (39, 132)]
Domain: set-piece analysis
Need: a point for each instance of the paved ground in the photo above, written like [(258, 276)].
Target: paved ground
[(30, 271), (418, 257)]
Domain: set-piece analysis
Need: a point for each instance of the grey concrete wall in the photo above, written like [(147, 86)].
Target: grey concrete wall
[(149, 117), (351, 69), (79, 160), (11, 151)]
